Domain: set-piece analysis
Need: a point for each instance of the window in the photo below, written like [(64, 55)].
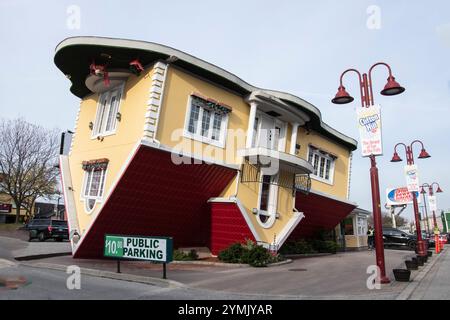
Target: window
[(362, 226), (348, 226), (108, 107), (94, 182), (207, 121), (323, 164), (267, 201)]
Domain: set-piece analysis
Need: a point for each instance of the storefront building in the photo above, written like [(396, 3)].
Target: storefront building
[(166, 144), (353, 230)]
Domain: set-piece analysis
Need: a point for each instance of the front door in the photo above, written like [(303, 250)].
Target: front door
[(269, 133)]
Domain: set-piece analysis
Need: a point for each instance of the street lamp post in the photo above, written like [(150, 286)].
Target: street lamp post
[(425, 209), (431, 193), (421, 250), (342, 97)]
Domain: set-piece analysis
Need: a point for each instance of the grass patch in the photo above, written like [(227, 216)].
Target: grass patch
[(10, 226)]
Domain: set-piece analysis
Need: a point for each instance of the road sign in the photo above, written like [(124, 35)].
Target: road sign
[(369, 125), (158, 249), (432, 203), (412, 178), (400, 196)]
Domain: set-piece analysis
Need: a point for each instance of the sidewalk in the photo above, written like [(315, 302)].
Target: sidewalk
[(436, 283), (339, 276)]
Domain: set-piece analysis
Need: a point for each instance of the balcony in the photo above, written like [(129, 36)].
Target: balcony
[(290, 171), (272, 161)]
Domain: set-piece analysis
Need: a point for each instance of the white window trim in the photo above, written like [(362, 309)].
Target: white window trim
[(272, 215), (98, 199), (120, 90), (332, 167), (198, 137)]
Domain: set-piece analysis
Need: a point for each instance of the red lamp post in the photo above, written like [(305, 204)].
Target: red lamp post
[(342, 97), (421, 250), (422, 191), (431, 193)]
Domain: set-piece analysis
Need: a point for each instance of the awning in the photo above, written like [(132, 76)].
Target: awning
[(322, 213)]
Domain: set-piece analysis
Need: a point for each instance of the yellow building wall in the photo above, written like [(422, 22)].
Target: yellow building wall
[(340, 182), (5, 198), (179, 86), (116, 147)]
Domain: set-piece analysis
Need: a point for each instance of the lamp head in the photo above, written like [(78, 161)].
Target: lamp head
[(342, 96), (396, 158), (423, 154), (392, 87), (439, 190)]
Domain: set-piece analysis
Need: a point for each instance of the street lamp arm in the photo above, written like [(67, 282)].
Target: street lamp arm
[(360, 82), (370, 77), (417, 141), (435, 184), (401, 144), (378, 64)]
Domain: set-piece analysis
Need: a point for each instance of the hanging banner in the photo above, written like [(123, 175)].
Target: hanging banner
[(432, 203), (412, 178), (400, 196), (369, 125)]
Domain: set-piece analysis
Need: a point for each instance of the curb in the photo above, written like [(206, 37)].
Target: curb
[(42, 256), (307, 255), (229, 265), (408, 291), (110, 275)]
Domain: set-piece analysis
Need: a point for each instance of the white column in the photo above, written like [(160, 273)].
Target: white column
[(294, 137), (251, 124)]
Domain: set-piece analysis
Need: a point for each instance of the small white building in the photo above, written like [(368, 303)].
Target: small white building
[(353, 230)]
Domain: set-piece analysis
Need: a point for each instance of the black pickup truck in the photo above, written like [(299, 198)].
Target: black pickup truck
[(44, 229)]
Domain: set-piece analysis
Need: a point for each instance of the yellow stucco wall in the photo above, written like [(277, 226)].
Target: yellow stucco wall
[(5, 198), (117, 147), (178, 87), (340, 182)]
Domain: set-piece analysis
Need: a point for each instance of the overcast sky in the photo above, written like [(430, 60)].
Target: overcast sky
[(300, 47)]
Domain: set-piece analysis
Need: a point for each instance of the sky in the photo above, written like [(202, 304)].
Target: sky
[(300, 47)]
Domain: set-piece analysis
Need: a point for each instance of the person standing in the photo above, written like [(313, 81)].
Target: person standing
[(370, 238)]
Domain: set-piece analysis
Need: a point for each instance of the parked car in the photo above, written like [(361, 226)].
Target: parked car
[(43, 229), (395, 237)]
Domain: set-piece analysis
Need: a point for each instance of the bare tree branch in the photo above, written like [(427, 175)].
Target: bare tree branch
[(28, 154)]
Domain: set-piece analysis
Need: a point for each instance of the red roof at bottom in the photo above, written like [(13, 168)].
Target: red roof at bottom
[(321, 214), (156, 197)]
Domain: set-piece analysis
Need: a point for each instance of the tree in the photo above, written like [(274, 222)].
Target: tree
[(386, 220), (28, 155)]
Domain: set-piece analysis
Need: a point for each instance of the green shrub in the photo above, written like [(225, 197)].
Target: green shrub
[(325, 246), (179, 255), (249, 253), (232, 254), (297, 247), (193, 255)]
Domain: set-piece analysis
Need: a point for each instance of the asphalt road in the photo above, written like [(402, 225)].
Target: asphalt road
[(50, 284), (313, 280)]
